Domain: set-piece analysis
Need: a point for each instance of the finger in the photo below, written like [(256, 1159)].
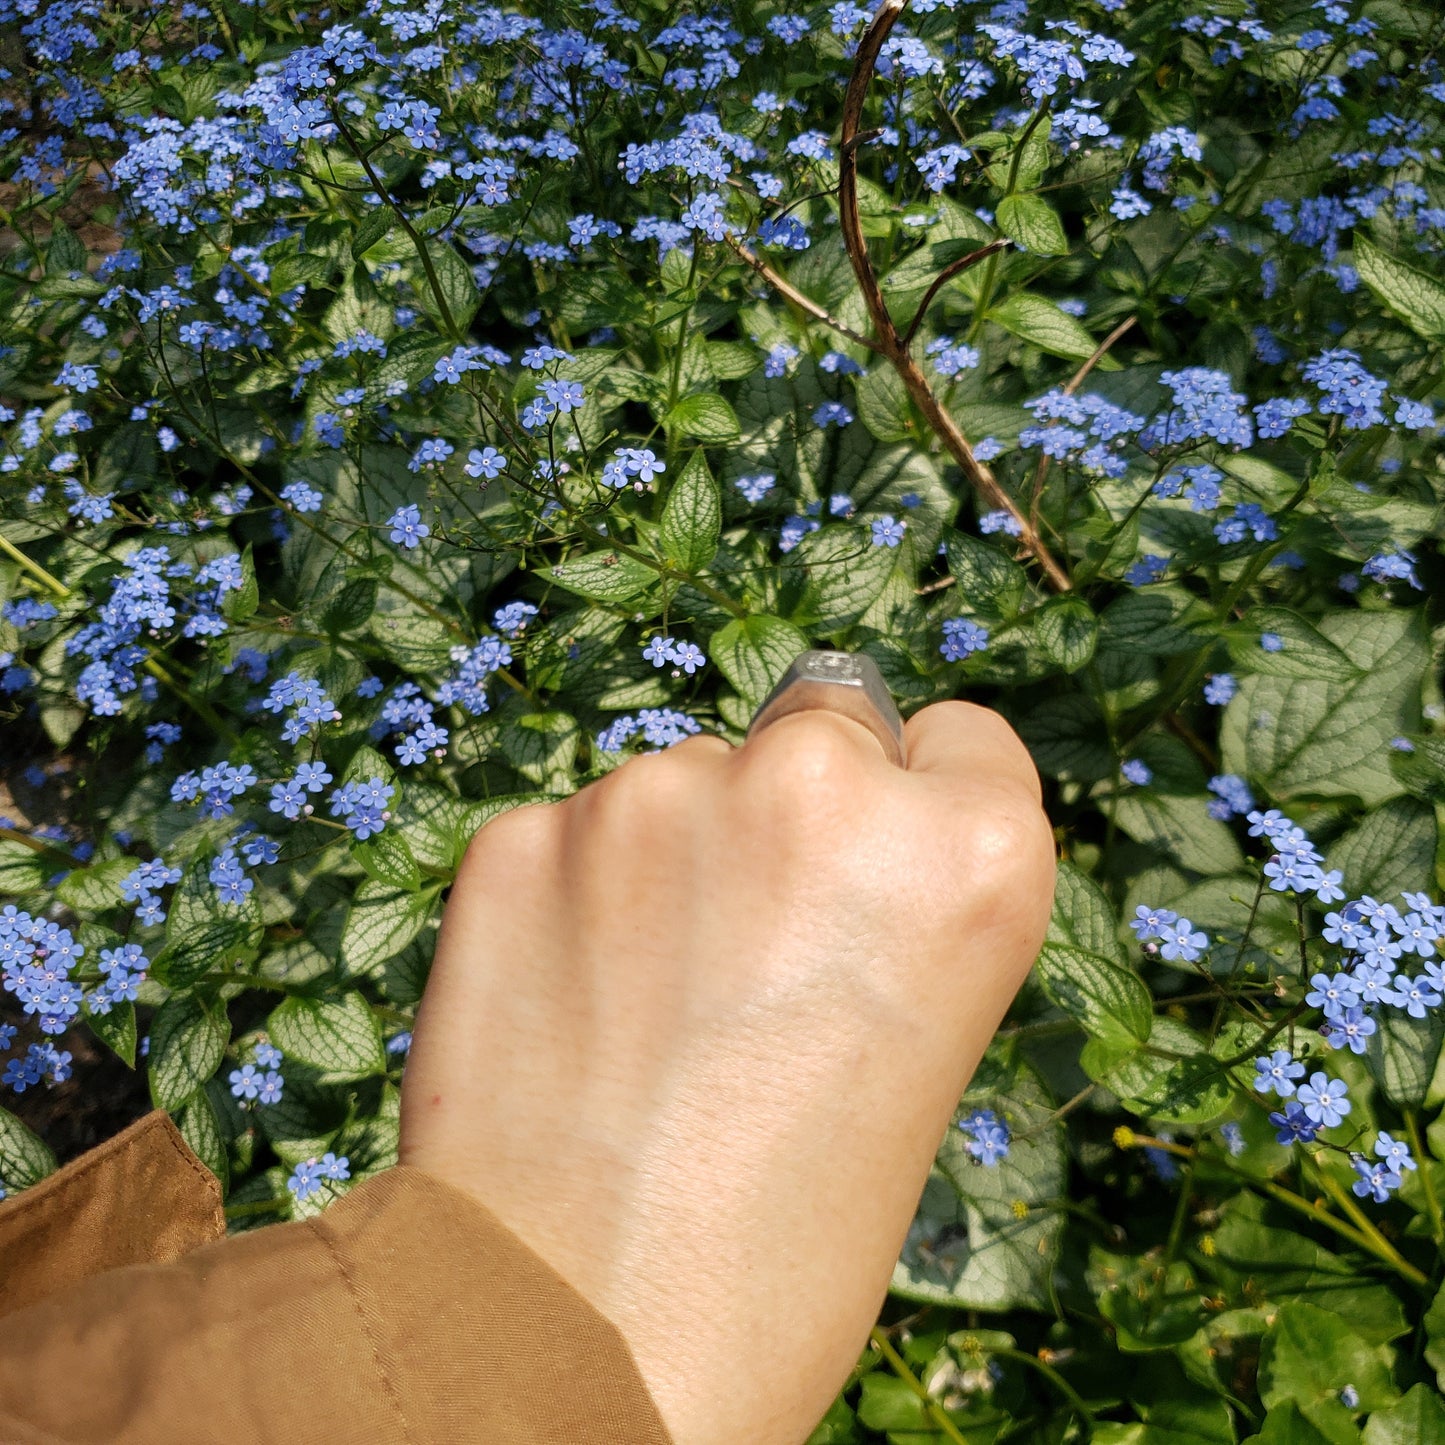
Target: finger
[(704, 745), (811, 733), (971, 744)]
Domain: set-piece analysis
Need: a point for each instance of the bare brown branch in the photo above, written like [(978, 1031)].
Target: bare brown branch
[(954, 268), (891, 344), (791, 293)]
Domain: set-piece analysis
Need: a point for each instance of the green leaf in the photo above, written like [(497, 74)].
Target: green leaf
[(116, 1030), (201, 1129), (845, 572), (25, 1158), (381, 922), (458, 289), (1152, 1308), (1110, 1002), (241, 602), (1188, 1090), (1285, 1425), (707, 417), (1390, 850), (1416, 298), (188, 1041), (339, 1036), (1331, 739), (65, 253), (753, 653), (96, 888), (987, 578), (374, 225), (1083, 917), (1311, 1353), (1040, 323), (969, 1246), (604, 576), (890, 1404), (202, 933), (839, 1426), (542, 746), (1419, 1418), (1434, 1322), (387, 858), (350, 606), (1034, 224), (1157, 621), (1258, 1248), (1067, 630), (1068, 739), (412, 639), (1307, 652), (692, 517), (1402, 1054), (1179, 827)]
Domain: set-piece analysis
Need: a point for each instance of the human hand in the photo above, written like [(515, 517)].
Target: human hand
[(695, 1033)]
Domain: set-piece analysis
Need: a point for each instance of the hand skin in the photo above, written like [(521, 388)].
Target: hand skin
[(695, 1034)]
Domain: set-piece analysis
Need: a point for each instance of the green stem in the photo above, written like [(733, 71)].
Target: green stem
[(423, 255), (1064, 1388), (1366, 1225), (899, 1365), (1432, 1201), (34, 568), (990, 274), (1372, 1241), (728, 604)]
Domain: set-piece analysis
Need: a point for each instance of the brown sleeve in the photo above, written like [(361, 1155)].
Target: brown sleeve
[(139, 1198), (406, 1312)]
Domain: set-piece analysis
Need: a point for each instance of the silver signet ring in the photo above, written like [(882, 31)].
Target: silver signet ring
[(848, 683)]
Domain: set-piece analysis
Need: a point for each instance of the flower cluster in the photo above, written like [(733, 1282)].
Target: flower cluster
[(988, 1136)]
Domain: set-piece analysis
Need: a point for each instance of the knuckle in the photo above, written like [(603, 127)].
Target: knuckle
[(644, 793), (1011, 847), (808, 758), (522, 831)]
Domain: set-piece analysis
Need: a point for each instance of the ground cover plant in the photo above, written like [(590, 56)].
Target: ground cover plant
[(412, 409)]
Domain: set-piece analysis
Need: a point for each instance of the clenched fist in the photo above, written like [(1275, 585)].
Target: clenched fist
[(695, 1033)]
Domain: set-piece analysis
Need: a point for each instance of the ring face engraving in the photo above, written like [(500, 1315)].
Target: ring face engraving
[(847, 683), (831, 666)]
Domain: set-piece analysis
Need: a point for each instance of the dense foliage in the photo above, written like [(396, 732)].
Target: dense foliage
[(414, 409)]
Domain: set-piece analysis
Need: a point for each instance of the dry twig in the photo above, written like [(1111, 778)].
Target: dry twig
[(892, 344)]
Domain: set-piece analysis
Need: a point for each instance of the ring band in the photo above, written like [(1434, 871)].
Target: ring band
[(847, 683)]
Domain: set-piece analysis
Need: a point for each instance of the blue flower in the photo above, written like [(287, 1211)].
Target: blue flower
[(302, 497), (887, 532), (1377, 1180), (246, 1082), (1271, 642), (962, 637), (1182, 941), (407, 527), (832, 413), (1351, 1028), (1220, 688), (1293, 1125), (1277, 1072), (988, 1136), (999, 521), (1324, 1100), (1151, 922), (488, 463), (1137, 772)]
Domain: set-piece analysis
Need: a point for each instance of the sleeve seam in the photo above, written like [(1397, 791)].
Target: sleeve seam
[(58, 1184), (319, 1228)]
